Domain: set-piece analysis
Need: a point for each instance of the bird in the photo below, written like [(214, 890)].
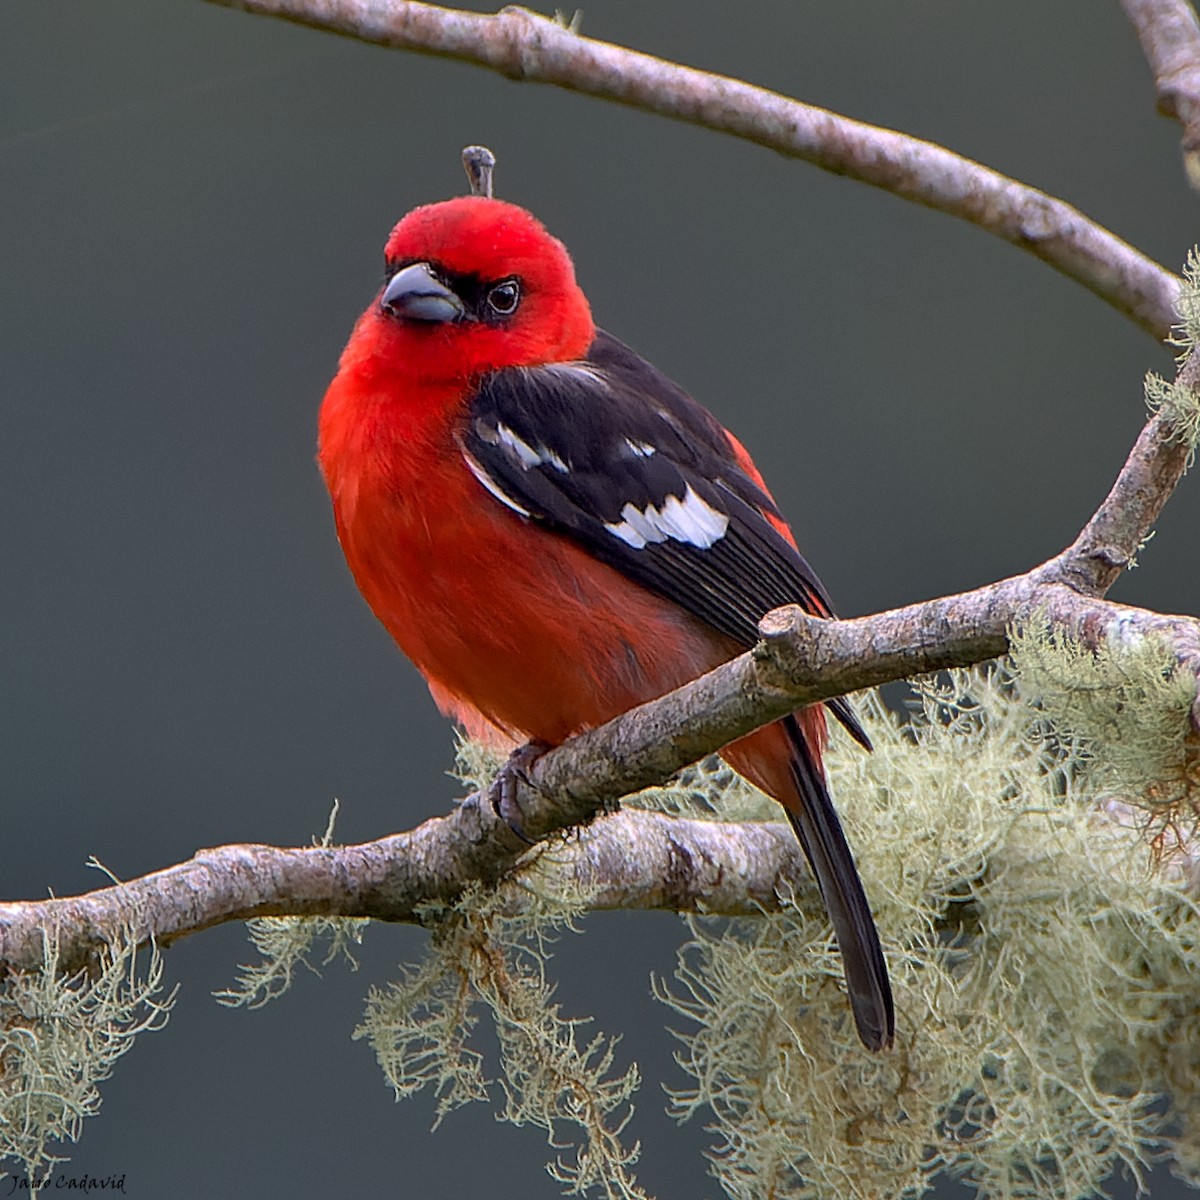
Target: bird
[(553, 531)]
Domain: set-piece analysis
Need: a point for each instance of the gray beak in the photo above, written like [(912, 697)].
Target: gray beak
[(416, 295)]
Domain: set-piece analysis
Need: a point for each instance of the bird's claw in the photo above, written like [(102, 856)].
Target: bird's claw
[(503, 792)]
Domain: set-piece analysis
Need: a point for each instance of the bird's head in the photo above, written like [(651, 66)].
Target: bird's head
[(473, 285)]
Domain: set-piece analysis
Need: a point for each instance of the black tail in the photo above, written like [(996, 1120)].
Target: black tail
[(824, 845)]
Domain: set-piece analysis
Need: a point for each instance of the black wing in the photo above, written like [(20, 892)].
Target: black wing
[(613, 453), (610, 452)]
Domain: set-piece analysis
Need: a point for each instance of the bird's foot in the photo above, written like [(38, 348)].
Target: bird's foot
[(503, 792)]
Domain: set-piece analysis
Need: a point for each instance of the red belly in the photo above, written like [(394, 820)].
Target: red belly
[(510, 622)]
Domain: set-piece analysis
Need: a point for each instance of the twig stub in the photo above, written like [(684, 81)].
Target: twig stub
[(479, 163)]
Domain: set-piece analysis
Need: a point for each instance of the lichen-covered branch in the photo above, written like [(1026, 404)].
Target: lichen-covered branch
[(632, 859), (525, 46), (1170, 37)]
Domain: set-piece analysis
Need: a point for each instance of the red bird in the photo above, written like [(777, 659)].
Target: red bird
[(554, 532)]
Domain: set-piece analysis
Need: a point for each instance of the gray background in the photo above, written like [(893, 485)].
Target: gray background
[(192, 206)]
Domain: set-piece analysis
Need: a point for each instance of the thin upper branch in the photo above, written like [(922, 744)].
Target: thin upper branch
[(525, 46), (1110, 540), (1170, 37)]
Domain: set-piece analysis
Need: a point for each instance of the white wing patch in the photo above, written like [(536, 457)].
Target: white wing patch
[(528, 456), (640, 449), (582, 371), (689, 520), (491, 485)]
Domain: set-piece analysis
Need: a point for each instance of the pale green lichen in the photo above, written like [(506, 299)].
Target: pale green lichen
[(1179, 405), (476, 763), (288, 943), (1044, 965), (1124, 705), (1186, 334), (483, 959), (1176, 402), (419, 1027), (60, 1037), (488, 957)]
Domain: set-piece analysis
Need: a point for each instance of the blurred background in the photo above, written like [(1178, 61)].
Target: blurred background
[(192, 208)]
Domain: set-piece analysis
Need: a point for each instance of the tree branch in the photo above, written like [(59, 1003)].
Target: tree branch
[(632, 860), (526, 46), (1170, 37), (1118, 528)]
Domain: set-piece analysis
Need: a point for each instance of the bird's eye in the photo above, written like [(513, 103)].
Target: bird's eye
[(504, 298)]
